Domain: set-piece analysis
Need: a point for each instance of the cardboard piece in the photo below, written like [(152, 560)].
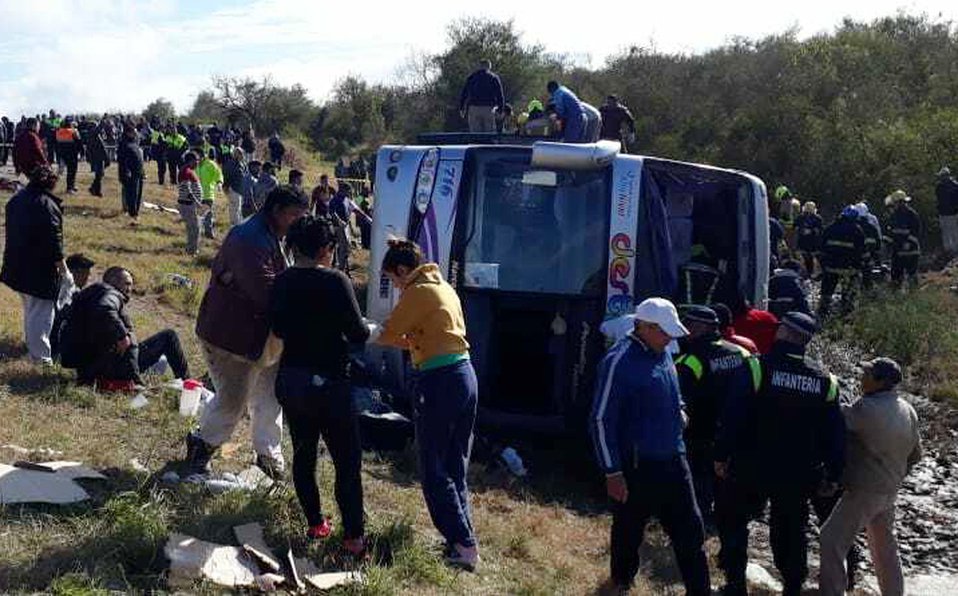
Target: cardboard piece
[(192, 559), (250, 536), (18, 485)]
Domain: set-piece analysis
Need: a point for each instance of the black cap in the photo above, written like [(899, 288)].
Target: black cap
[(801, 323), (883, 369), (724, 315), (694, 313), (79, 261)]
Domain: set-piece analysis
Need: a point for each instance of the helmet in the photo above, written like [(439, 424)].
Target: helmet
[(861, 208), (809, 207), (850, 212), (782, 192), (899, 196), (535, 104)]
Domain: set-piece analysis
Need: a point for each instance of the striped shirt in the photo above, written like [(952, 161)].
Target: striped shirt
[(188, 190)]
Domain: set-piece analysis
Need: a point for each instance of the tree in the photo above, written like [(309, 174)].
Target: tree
[(159, 109), (206, 108)]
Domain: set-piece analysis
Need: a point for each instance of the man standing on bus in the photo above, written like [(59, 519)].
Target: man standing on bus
[(636, 425), (482, 98)]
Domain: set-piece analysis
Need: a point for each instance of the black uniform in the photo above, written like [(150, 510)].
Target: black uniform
[(809, 226), (904, 228), (613, 118), (711, 371), (779, 448), (843, 247), (99, 159), (129, 160), (873, 248), (787, 294)]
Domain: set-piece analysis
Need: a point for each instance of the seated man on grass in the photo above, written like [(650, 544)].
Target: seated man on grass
[(98, 339)]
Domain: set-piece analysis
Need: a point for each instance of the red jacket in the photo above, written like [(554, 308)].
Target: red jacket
[(759, 326), (28, 152)]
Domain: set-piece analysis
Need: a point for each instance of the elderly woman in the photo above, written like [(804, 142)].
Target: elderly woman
[(33, 260)]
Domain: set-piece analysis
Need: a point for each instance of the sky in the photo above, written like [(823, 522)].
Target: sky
[(105, 55)]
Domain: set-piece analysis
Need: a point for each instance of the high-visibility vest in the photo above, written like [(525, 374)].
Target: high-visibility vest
[(156, 137), (177, 141), (66, 135)]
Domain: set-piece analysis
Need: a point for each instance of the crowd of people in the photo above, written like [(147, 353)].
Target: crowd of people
[(738, 419), (564, 116)]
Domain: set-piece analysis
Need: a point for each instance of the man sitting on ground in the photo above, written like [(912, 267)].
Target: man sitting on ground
[(80, 267), (98, 339)]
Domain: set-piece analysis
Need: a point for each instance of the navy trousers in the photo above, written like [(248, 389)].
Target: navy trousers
[(445, 418)]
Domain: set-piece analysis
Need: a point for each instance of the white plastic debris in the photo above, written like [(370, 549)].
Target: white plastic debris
[(19, 485), (250, 536), (192, 559), (139, 402)]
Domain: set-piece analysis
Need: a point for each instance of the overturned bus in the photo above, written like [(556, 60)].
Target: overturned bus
[(544, 242)]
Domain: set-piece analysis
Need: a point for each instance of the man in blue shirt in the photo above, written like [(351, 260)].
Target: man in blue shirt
[(569, 109), (636, 425), (482, 98)]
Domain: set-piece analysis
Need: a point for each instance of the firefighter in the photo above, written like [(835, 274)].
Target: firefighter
[(710, 370), (789, 208), (904, 229), (69, 149), (783, 447), (786, 292), (843, 247), (873, 243), (809, 227)]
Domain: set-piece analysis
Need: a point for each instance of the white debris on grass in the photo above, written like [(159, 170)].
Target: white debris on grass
[(250, 536), (192, 559), (19, 485)]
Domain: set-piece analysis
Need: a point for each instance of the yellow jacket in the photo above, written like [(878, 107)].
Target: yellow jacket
[(428, 319)]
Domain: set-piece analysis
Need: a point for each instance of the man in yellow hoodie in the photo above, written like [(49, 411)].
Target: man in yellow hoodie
[(211, 177)]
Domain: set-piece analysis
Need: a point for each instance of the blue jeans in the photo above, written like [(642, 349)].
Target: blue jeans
[(446, 414)]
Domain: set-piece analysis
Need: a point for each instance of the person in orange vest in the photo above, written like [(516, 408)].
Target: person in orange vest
[(69, 149)]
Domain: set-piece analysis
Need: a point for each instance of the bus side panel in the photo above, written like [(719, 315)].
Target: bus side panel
[(397, 169), (439, 222), (623, 227), (760, 242)]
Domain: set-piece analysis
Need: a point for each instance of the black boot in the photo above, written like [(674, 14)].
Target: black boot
[(199, 453)]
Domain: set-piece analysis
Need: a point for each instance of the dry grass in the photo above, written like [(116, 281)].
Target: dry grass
[(545, 536)]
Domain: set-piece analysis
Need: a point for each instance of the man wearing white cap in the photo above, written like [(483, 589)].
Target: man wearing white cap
[(636, 426)]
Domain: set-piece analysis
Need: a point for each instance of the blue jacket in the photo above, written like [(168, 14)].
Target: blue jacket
[(637, 410), (567, 104), (482, 88)]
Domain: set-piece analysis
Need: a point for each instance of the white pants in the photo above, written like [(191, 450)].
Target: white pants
[(949, 232), (37, 323), (236, 207), (242, 385)]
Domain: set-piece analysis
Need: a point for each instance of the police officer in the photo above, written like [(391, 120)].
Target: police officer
[(786, 291), (782, 447), (176, 145), (710, 370), (904, 228), (809, 226), (843, 247), (158, 149)]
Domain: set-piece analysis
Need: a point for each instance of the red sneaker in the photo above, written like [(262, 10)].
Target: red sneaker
[(320, 531)]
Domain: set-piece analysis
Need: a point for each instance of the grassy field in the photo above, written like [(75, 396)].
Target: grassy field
[(547, 535)]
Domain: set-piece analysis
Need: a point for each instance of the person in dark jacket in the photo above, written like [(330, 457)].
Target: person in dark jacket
[(904, 228), (158, 150), (843, 247), (617, 122), (69, 149), (33, 264), (786, 292), (248, 145), (871, 227), (809, 226), (636, 427), (233, 326), (236, 182), (711, 371), (96, 154), (781, 446), (129, 159), (81, 268), (481, 98), (277, 150), (313, 309), (946, 193), (97, 338), (776, 240), (28, 148)]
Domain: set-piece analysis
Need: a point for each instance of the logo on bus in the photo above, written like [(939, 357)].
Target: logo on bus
[(619, 270)]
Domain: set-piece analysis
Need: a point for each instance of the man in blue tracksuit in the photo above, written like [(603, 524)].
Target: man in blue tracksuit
[(783, 446), (636, 426), (569, 108)]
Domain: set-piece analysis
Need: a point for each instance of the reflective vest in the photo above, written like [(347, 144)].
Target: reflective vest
[(66, 135), (177, 141)]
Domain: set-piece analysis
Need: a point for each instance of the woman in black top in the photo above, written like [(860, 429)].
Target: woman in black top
[(314, 311)]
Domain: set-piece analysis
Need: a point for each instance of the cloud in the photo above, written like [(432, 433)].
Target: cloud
[(121, 54)]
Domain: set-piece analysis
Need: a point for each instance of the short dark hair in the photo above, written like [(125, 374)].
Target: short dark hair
[(552, 86), (79, 261), (309, 234), (401, 253), (31, 122), (112, 275), (284, 196), (190, 156), (294, 174)]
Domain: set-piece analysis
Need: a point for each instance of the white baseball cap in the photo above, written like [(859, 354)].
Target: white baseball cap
[(664, 314)]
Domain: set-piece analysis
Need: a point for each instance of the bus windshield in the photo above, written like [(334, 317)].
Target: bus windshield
[(538, 239)]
